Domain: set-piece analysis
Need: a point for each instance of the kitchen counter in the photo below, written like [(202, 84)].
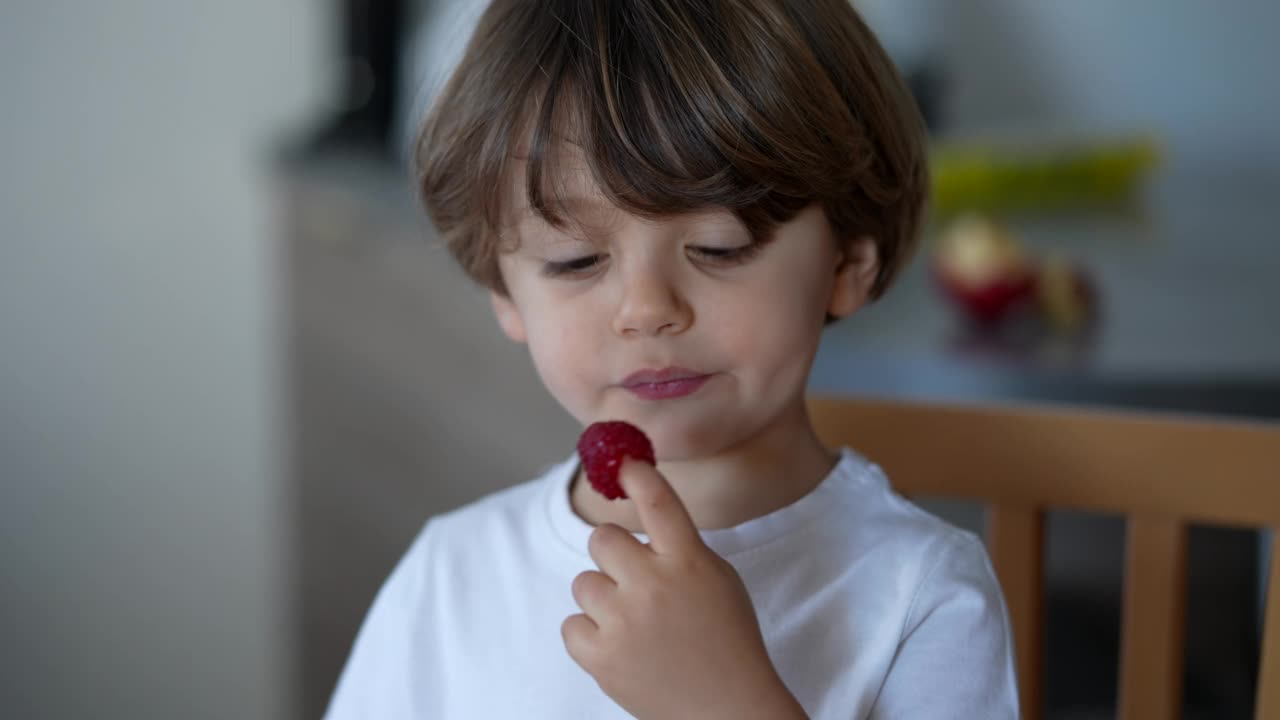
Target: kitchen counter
[(1189, 286)]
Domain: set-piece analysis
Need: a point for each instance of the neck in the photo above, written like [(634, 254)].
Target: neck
[(767, 472)]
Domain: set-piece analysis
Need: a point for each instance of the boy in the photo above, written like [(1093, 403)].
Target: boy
[(669, 199)]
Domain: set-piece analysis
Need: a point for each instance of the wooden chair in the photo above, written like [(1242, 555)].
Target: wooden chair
[(1161, 472)]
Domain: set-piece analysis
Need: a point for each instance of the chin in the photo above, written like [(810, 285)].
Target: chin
[(676, 442)]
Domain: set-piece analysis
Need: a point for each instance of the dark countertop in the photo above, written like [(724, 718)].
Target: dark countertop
[(1190, 314)]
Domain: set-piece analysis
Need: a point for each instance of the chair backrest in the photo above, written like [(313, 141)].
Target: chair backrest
[(1161, 472)]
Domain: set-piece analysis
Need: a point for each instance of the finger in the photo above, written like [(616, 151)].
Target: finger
[(615, 551), (578, 633), (661, 512), (594, 591)]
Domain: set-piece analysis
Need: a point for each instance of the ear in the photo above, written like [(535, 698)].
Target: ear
[(855, 275), (508, 317)]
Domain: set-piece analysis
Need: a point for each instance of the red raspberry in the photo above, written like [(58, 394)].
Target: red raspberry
[(603, 446)]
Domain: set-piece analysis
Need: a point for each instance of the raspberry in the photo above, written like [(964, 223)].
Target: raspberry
[(603, 446)]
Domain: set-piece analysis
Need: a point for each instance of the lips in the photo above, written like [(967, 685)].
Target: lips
[(649, 377), (671, 382)]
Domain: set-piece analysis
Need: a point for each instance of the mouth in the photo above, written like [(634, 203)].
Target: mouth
[(672, 382)]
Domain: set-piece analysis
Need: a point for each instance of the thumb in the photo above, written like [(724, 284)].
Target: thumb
[(662, 514)]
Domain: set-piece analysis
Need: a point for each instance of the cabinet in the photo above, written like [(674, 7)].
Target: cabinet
[(406, 399)]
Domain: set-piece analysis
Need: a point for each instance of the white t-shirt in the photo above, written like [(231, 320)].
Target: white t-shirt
[(869, 606)]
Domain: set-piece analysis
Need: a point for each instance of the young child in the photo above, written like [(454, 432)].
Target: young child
[(669, 200)]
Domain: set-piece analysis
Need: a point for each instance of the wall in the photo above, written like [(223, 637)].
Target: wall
[(142, 562), (1199, 73)]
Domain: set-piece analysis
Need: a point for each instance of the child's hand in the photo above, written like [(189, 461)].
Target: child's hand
[(669, 630)]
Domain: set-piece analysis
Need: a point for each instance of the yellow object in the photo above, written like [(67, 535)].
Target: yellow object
[(976, 176)]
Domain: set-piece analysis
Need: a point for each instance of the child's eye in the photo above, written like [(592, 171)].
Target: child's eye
[(576, 266), (725, 256)]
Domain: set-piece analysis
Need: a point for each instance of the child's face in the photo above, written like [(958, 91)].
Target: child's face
[(738, 325)]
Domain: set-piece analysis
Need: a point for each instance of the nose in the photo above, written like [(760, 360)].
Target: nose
[(651, 305)]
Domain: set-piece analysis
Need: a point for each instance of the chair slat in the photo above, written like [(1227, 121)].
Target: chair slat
[(1154, 623), (1015, 541), (1070, 459), (1269, 671)]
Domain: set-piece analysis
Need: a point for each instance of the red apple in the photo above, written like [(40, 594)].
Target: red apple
[(981, 267)]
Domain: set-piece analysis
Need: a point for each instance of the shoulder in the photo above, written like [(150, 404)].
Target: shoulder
[(877, 516), (941, 563), (901, 548), (504, 521), (511, 507), (462, 565)]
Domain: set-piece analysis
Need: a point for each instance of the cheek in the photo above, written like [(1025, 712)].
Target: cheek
[(772, 333), (773, 330), (565, 359), (552, 343)]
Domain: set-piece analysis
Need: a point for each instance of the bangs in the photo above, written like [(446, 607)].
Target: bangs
[(648, 98), (670, 106)]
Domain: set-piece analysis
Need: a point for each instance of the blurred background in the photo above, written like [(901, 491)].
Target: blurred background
[(237, 372)]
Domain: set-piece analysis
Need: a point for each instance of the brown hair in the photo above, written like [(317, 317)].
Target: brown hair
[(762, 107)]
